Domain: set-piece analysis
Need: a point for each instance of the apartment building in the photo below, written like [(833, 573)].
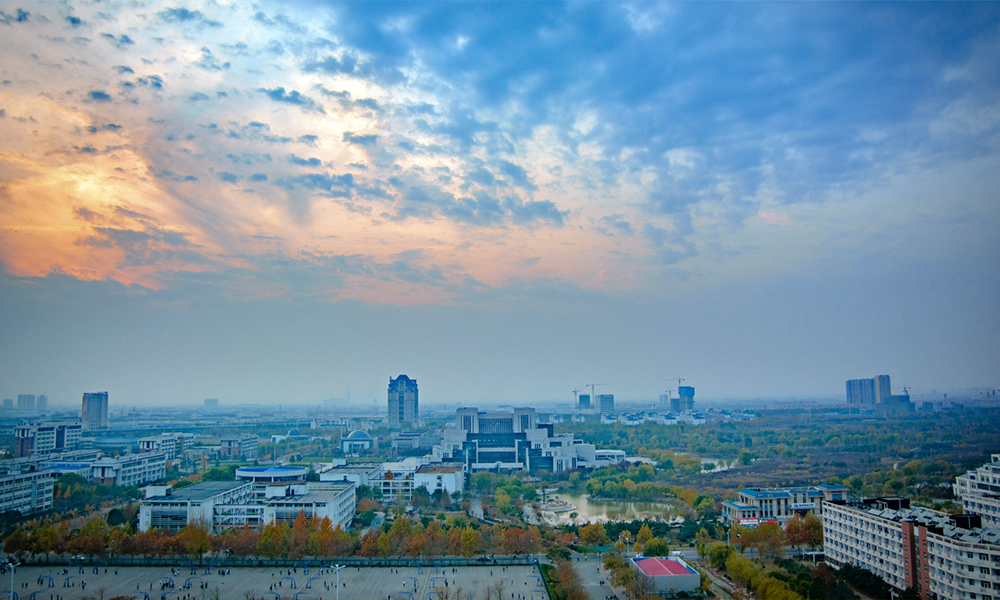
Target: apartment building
[(943, 556), (41, 438), (979, 491)]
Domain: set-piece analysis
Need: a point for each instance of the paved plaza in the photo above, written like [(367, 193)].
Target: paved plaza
[(266, 583)]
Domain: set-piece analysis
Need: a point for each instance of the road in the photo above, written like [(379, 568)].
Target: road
[(586, 566)]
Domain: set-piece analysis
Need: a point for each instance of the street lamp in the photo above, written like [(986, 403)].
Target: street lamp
[(337, 568), (12, 566)]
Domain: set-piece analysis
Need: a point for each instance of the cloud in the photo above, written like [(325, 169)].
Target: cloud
[(119, 42), (228, 177), (208, 62), (19, 16), (99, 96), (278, 94), (361, 140), (183, 15), (305, 162), (618, 224)]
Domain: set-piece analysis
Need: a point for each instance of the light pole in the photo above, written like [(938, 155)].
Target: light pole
[(337, 568), (12, 566)]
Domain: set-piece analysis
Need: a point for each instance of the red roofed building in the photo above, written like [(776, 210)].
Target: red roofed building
[(668, 574)]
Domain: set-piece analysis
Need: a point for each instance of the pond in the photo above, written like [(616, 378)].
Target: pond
[(597, 511)]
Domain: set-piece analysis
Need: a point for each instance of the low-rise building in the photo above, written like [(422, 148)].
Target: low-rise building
[(243, 447), (25, 488), (356, 442), (42, 438), (358, 473), (131, 469), (777, 505), (667, 575), (234, 504), (444, 478)]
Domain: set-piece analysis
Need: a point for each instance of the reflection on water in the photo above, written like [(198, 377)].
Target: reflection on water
[(596, 511)]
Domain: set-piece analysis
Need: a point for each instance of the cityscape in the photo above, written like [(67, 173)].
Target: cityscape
[(499, 300)]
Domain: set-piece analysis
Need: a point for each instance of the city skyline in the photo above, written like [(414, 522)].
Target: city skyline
[(269, 202)]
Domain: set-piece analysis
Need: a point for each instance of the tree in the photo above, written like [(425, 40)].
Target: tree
[(814, 529), (421, 497), (594, 535), (469, 542), (645, 534), (383, 545), (271, 543), (796, 533), (196, 538), (656, 547)]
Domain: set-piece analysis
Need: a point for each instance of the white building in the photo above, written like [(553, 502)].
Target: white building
[(979, 491), (944, 556), (358, 474), (778, 505), (131, 469), (35, 439), (25, 488), (444, 478), (233, 504)]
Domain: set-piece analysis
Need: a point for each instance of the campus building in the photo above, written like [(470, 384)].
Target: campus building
[(243, 447), (233, 504), (778, 505), (25, 487), (131, 469), (979, 491), (668, 576), (943, 556), (39, 439), (510, 441)]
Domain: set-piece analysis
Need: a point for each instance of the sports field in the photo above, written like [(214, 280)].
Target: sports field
[(365, 583)]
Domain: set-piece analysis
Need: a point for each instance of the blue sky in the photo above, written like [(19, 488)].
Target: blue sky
[(285, 201)]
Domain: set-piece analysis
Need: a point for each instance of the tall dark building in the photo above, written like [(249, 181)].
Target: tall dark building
[(404, 406), (686, 393), (583, 402)]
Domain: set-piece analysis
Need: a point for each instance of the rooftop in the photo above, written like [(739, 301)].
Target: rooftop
[(199, 491), (656, 567)]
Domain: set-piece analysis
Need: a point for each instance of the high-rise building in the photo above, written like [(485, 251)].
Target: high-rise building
[(211, 403), (42, 402), (940, 556), (686, 393), (876, 394), (606, 403), (8, 403), (584, 402), (861, 392), (404, 405), (95, 410), (25, 402), (978, 491), (883, 388)]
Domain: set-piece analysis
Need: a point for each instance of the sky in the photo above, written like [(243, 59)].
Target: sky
[(286, 202)]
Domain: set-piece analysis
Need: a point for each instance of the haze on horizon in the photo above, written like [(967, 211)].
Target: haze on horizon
[(279, 202)]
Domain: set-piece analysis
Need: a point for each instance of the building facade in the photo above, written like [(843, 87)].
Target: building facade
[(942, 556), (31, 439), (606, 403), (404, 402), (979, 491), (234, 504), (26, 402), (243, 447), (778, 505), (25, 488), (94, 412), (131, 469), (510, 441)]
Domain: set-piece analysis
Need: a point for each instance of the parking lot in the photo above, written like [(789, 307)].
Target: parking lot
[(364, 583)]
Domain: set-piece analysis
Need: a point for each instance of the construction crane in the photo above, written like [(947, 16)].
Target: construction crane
[(593, 398), (576, 400)]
